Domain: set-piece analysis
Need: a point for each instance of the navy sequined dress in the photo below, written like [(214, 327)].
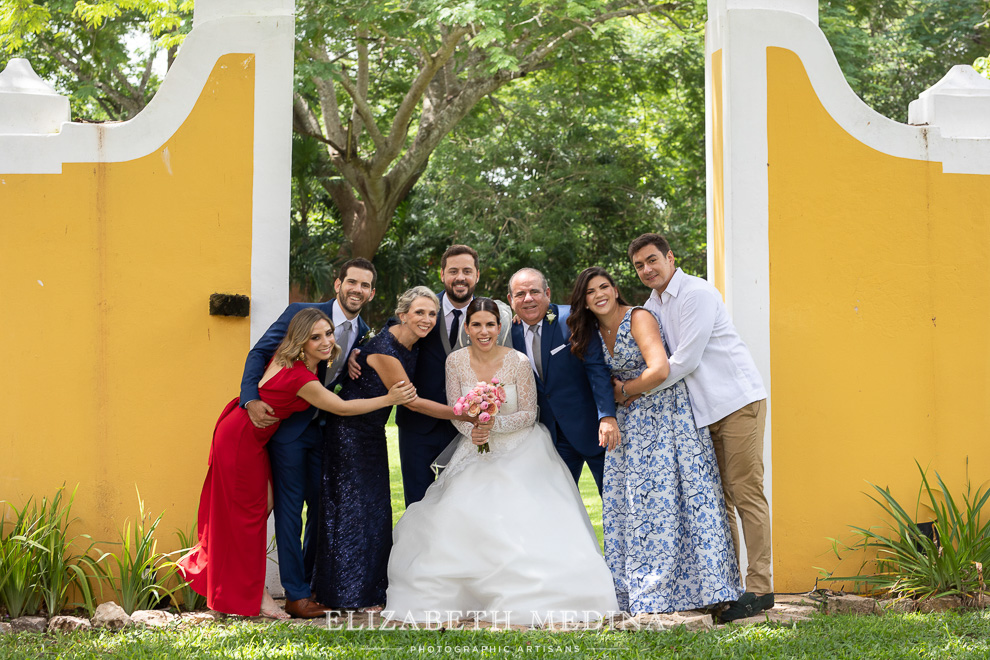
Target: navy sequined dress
[(354, 533)]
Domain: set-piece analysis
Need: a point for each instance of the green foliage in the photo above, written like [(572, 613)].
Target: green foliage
[(138, 573), (912, 564), (99, 53), (892, 51), (184, 597), (40, 563), (563, 168)]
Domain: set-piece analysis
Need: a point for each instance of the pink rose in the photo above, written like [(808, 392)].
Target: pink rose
[(484, 417)]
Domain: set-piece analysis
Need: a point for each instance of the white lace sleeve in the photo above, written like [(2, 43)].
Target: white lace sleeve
[(458, 372), (517, 370)]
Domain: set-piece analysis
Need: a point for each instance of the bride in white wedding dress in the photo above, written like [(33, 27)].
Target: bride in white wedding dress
[(502, 536)]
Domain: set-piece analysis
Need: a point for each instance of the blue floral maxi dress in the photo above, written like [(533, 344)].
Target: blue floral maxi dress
[(667, 537)]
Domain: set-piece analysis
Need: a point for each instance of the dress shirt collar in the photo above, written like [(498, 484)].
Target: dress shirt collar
[(673, 286), (448, 306), (338, 316)]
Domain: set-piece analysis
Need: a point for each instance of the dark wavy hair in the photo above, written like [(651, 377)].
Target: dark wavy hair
[(582, 321), (482, 305)]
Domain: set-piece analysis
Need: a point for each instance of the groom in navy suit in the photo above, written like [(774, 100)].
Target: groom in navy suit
[(296, 448), (575, 396)]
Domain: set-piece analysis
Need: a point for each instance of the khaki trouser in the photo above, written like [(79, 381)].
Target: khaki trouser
[(738, 443)]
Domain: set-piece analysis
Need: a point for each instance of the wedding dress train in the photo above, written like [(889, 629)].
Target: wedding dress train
[(502, 536)]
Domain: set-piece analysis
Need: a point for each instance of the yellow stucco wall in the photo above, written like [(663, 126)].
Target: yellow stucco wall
[(115, 372), (878, 325), (717, 236)]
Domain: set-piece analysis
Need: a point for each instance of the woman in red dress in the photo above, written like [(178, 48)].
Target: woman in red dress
[(227, 565)]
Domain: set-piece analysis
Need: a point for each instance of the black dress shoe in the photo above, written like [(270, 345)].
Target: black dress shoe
[(749, 604)]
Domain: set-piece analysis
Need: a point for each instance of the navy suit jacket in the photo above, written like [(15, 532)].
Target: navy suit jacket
[(573, 394), (258, 357)]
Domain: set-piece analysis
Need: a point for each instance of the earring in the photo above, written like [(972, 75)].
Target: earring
[(302, 355)]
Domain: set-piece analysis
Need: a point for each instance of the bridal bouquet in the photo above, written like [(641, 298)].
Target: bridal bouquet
[(483, 402)]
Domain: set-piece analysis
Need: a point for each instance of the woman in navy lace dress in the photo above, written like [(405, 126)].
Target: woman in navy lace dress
[(354, 532), (667, 537)]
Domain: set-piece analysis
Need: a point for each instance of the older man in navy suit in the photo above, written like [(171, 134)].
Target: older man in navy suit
[(575, 395), (296, 448)]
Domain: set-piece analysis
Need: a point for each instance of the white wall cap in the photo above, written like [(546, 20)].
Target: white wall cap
[(208, 10), (959, 104), (806, 8), (164, 114), (28, 104), (19, 76)]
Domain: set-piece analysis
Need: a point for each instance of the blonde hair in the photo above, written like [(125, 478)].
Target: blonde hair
[(407, 297), (298, 333)]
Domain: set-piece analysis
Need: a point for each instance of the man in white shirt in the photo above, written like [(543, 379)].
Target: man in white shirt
[(727, 396)]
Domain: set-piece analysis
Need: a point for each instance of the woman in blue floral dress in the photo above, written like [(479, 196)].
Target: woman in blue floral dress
[(667, 538)]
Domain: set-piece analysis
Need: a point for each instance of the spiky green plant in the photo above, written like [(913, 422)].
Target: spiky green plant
[(40, 563), (910, 563), (18, 568), (138, 573), (184, 597)]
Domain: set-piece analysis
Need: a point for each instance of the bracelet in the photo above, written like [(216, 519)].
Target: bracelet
[(623, 388)]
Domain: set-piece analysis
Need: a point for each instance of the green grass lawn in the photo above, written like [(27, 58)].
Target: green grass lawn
[(589, 492), (915, 636)]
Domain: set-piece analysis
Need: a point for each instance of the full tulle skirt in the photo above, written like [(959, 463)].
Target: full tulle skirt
[(502, 537)]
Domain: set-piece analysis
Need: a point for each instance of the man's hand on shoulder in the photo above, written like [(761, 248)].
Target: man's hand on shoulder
[(353, 368), (260, 413)]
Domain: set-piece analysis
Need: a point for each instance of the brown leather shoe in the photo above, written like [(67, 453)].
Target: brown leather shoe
[(305, 608)]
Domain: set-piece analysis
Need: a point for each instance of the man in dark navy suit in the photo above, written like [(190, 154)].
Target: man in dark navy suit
[(575, 396), (297, 446), (422, 438)]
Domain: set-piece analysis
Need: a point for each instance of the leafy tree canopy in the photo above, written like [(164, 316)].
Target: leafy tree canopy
[(100, 53)]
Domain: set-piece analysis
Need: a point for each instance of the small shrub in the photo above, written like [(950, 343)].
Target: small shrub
[(911, 563), (142, 572), (40, 563)]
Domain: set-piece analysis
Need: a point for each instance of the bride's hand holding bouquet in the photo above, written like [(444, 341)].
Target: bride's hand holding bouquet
[(483, 401)]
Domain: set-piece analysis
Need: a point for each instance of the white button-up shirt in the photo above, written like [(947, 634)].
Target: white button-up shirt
[(706, 350), (448, 315)]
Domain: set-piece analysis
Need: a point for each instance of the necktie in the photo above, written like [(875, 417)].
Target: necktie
[(537, 353), (454, 328), (342, 335)]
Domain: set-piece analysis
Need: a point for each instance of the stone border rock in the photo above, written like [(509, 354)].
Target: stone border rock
[(841, 603)]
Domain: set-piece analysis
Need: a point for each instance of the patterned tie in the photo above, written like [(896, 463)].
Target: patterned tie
[(343, 337), (454, 328), (537, 353)]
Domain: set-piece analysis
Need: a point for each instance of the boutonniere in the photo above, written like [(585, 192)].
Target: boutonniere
[(551, 317), (368, 336)]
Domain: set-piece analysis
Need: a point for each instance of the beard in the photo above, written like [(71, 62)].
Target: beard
[(456, 299), (350, 305)]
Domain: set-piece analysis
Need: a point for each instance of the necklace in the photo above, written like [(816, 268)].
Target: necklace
[(608, 330)]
